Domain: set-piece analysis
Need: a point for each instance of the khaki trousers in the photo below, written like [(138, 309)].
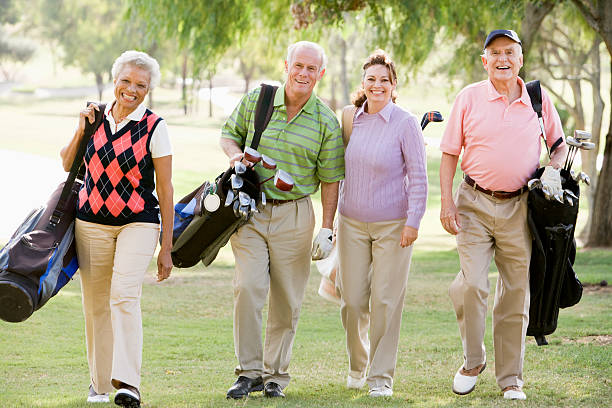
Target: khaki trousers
[(112, 262), (272, 253), (373, 275), (492, 227)]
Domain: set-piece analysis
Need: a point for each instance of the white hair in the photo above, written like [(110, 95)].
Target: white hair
[(307, 44), (141, 60)]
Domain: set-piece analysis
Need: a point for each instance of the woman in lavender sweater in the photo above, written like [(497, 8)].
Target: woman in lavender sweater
[(381, 206)]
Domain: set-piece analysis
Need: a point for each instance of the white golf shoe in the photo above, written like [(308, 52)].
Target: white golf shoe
[(93, 396), (514, 393), (355, 383), (383, 391), (464, 384)]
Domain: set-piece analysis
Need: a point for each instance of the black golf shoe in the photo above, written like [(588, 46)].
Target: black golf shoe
[(243, 386), (272, 390)]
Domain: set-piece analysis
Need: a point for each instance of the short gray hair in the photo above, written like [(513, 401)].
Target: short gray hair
[(141, 60), (307, 44)]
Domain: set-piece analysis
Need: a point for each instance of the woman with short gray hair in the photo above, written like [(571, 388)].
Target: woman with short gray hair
[(127, 160)]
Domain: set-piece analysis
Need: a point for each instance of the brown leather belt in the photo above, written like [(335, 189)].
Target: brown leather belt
[(277, 202), (497, 194)]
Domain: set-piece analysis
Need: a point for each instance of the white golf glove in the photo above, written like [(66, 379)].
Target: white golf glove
[(551, 182), (322, 244)]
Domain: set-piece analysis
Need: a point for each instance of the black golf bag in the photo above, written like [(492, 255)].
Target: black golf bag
[(200, 237), (40, 258), (199, 234), (553, 282)]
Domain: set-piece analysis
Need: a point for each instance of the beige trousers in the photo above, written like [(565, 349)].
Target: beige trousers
[(492, 227), (372, 280), (272, 253), (112, 262)]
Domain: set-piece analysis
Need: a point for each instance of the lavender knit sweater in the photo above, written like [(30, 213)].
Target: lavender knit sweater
[(385, 168)]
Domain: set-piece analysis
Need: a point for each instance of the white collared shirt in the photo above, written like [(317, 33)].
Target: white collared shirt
[(159, 145)]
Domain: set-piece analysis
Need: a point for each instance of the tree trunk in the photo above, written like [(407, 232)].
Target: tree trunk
[(343, 75), (601, 227), (184, 78), (589, 158), (535, 11), (333, 103), (100, 85)]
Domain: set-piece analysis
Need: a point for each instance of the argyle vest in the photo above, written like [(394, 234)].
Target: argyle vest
[(119, 179)]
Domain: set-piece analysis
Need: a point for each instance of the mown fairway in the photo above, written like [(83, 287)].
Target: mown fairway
[(188, 350)]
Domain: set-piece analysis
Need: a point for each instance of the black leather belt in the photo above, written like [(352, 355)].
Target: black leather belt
[(497, 194)]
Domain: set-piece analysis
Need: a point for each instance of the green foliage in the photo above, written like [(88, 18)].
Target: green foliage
[(205, 29)]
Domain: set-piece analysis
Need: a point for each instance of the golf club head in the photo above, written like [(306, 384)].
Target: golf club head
[(431, 116), (262, 203), (253, 206), (570, 193), (268, 162), (581, 135), (547, 192), (244, 199), (252, 155), (559, 197), (569, 200), (283, 180), (587, 146), (240, 167), (229, 198), (570, 141), (236, 209), (534, 183), (236, 181), (582, 176)]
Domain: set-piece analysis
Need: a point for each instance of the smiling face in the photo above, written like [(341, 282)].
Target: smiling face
[(503, 60), (378, 85), (303, 72), (131, 87)]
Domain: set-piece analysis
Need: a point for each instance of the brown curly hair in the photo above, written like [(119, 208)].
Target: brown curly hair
[(378, 57)]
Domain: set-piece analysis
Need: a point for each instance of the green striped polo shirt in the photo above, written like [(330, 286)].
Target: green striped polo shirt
[(309, 147)]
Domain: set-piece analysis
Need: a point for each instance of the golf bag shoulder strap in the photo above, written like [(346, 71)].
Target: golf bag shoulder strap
[(534, 90), (77, 169), (263, 111), (348, 115), (535, 95)]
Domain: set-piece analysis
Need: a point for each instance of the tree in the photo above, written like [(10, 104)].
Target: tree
[(598, 14), (13, 51), (91, 35), (568, 50)]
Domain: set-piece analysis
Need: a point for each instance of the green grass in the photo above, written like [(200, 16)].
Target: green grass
[(188, 350)]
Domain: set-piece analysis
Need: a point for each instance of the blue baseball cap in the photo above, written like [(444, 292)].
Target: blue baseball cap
[(501, 33)]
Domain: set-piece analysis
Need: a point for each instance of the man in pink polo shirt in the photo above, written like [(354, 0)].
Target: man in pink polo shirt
[(494, 123)]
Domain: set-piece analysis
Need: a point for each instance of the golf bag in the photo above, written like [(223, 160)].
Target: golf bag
[(199, 234), (40, 258), (552, 281)]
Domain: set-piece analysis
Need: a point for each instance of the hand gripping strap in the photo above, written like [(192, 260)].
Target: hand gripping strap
[(77, 164), (263, 111)]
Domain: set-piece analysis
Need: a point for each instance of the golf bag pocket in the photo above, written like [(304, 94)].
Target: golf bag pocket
[(39, 259), (188, 207)]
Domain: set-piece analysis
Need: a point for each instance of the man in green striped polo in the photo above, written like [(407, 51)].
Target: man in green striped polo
[(273, 250)]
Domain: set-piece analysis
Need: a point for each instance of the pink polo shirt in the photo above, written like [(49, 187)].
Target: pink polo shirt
[(500, 141)]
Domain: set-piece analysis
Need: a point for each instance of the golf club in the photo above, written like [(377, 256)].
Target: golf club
[(431, 116), (534, 183), (236, 181), (240, 167), (268, 162), (583, 146), (229, 198), (573, 145), (252, 155), (582, 135)]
